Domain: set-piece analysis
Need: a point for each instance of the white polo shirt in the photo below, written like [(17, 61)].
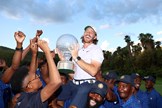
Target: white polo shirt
[(92, 52)]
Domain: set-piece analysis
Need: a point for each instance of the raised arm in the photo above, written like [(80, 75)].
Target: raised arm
[(19, 37), (54, 76), (34, 49), (26, 50)]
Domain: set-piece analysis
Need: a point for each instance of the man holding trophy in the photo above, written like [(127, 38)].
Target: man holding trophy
[(87, 62)]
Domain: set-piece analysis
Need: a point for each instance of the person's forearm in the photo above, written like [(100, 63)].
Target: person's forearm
[(15, 64), (33, 63), (89, 68), (17, 57), (53, 72), (25, 51)]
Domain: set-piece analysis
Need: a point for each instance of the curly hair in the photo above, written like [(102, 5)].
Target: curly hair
[(18, 78)]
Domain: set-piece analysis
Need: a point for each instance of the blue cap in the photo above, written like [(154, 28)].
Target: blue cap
[(135, 75), (111, 75), (99, 88), (150, 78), (126, 79)]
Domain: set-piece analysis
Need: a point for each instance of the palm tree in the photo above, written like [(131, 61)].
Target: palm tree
[(146, 41), (157, 44), (129, 43), (136, 49)]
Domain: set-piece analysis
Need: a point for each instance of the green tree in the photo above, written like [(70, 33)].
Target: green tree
[(146, 41)]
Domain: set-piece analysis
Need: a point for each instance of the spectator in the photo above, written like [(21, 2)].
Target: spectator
[(97, 95), (139, 94), (126, 89), (153, 96), (29, 84), (112, 98), (6, 76)]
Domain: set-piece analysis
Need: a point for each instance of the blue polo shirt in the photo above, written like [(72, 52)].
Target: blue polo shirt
[(109, 104), (39, 73), (115, 104), (142, 98), (3, 86), (154, 99), (132, 102), (31, 100)]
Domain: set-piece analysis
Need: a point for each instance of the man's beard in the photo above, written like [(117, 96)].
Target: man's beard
[(93, 103), (90, 40)]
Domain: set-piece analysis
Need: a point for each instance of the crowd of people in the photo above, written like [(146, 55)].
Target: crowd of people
[(39, 84)]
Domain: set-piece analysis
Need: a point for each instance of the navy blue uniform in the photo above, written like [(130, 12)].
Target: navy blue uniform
[(2, 88), (154, 99), (31, 100), (143, 99), (132, 102), (116, 104)]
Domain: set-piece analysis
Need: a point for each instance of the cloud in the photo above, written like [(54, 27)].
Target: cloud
[(127, 11), (159, 39), (104, 45), (64, 11), (58, 11), (159, 33), (106, 26), (120, 34)]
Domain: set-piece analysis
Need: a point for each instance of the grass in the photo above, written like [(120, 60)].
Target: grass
[(157, 86)]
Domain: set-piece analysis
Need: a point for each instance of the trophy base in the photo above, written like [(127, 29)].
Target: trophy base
[(65, 67)]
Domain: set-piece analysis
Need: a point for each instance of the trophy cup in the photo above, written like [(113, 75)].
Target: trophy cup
[(64, 42)]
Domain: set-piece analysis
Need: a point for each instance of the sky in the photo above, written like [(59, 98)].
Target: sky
[(113, 19)]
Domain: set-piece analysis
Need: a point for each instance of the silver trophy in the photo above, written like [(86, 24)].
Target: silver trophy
[(64, 42)]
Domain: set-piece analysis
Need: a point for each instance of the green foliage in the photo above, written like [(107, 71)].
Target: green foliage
[(131, 58), (157, 86), (7, 54)]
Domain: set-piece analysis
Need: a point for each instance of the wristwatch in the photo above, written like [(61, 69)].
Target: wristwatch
[(77, 59)]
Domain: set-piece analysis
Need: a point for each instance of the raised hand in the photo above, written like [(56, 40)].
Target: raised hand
[(19, 37), (43, 45), (33, 47), (39, 33)]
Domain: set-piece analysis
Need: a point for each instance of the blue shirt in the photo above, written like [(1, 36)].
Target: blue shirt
[(116, 104), (132, 102), (154, 99), (3, 86), (142, 98), (31, 100), (117, 94), (39, 73), (102, 106), (109, 104)]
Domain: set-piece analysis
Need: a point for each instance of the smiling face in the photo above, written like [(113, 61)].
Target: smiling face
[(89, 35), (137, 82), (33, 83), (125, 90), (94, 100)]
